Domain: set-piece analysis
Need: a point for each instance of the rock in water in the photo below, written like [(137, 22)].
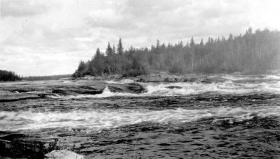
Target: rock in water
[(174, 87), (63, 154), (127, 88), (75, 90), (6, 96)]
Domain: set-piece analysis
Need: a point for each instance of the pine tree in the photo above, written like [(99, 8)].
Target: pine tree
[(114, 49), (109, 50), (192, 47), (120, 47)]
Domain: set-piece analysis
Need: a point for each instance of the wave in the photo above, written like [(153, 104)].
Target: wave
[(235, 84), (245, 84), (184, 89), (106, 93), (95, 120), (251, 77), (123, 81)]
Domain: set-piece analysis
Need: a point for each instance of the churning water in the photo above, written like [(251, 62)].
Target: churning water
[(94, 119), (231, 85)]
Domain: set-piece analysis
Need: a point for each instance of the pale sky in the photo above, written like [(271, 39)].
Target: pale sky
[(49, 37)]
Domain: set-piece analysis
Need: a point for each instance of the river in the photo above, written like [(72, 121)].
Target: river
[(236, 117)]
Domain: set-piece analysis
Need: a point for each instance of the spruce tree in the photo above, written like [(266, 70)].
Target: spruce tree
[(120, 47)]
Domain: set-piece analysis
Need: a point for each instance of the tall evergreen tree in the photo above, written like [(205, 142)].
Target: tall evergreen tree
[(109, 50), (120, 47), (114, 49)]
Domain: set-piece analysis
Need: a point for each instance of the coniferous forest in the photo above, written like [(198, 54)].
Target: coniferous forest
[(8, 76), (254, 52)]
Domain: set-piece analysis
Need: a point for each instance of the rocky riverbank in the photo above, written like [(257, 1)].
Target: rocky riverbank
[(15, 91), (38, 90)]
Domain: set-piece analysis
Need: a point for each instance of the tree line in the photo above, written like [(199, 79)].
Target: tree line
[(40, 78), (8, 76), (253, 52)]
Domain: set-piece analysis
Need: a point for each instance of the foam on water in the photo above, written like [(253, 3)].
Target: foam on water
[(275, 77), (184, 89), (106, 93), (238, 77), (252, 77), (227, 87), (102, 119), (123, 81), (251, 84)]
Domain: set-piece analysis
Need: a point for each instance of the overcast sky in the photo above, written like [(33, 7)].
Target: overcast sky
[(48, 37)]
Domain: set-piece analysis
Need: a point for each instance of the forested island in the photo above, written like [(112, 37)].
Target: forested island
[(8, 76), (254, 52)]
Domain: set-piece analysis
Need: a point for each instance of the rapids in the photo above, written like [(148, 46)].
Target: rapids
[(94, 119), (238, 84), (219, 116), (104, 119)]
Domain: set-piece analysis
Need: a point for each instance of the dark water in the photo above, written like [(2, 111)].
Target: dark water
[(234, 118)]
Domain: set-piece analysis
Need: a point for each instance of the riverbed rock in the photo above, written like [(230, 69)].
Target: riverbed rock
[(78, 90), (179, 78), (127, 88), (10, 92), (174, 87), (208, 80), (166, 78), (63, 154), (156, 78), (6, 96)]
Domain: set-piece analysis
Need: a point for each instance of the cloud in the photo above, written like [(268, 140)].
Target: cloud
[(22, 8), (50, 36), (172, 21), (110, 19)]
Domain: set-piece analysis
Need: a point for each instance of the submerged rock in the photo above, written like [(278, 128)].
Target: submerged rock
[(166, 78), (63, 154), (23, 90), (212, 80), (43, 89), (174, 87), (180, 78), (78, 90), (158, 78), (127, 88), (6, 96)]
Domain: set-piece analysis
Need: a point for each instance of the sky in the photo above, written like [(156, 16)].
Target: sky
[(51, 37)]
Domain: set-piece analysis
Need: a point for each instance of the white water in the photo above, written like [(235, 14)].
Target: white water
[(123, 81), (251, 77), (106, 93), (102, 119), (228, 87), (234, 84), (96, 120), (185, 88)]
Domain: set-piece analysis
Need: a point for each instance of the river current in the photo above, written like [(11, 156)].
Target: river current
[(234, 99), (92, 118)]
